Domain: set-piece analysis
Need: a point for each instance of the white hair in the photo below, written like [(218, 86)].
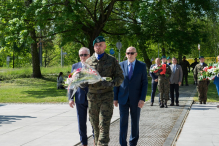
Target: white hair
[(131, 48), (84, 48)]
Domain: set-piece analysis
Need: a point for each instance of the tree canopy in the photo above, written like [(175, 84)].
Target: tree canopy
[(177, 26)]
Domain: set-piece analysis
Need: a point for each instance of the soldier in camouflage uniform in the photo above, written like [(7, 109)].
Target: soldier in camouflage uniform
[(100, 95), (202, 86), (185, 64), (164, 84)]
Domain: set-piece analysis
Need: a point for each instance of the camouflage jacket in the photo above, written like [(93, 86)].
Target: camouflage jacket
[(185, 64), (164, 78), (197, 70), (107, 66)]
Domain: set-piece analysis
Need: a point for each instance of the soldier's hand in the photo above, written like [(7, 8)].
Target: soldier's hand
[(71, 103), (115, 102), (83, 85), (107, 84), (140, 103), (179, 83)]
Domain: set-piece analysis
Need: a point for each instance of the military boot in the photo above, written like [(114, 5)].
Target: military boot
[(204, 102), (165, 105), (161, 105), (200, 102)]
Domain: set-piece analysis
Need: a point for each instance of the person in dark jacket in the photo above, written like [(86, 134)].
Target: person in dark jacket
[(154, 80)]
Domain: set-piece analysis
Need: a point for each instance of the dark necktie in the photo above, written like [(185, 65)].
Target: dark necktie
[(130, 71)]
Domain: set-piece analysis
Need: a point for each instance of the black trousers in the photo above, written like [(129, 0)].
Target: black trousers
[(174, 87), (154, 88), (186, 78)]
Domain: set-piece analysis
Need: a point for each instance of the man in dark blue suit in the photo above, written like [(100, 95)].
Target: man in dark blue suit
[(131, 95), (154, 80), (81, 98)]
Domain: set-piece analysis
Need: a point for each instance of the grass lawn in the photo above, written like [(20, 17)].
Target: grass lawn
[(10, 73), (31, 90)]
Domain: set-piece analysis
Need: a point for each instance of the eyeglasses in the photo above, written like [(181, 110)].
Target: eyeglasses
[(85, 55), (132, 53)]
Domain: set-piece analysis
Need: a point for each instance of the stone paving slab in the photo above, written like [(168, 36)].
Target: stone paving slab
[(40, 125), (155, 123), (201, 127)]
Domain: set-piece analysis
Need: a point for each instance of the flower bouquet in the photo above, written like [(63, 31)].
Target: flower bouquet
[(209, 72), (156, 68), (86, 74)]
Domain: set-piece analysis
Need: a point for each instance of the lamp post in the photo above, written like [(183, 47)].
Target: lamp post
[(199, 47), (119, 46)]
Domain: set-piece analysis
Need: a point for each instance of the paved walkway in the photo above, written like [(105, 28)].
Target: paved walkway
[(201, 127), (40, 125)]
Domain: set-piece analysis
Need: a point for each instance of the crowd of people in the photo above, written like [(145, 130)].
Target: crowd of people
[(127, 89)]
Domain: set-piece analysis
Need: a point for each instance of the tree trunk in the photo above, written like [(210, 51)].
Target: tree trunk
[(179, 56), (145, 56), (35, 56), (163, 51), (13, 58), (34, 53)]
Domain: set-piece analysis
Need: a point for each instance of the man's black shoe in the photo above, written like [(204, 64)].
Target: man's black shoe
[(172, 104), (161, 106), (151, 103), (177, 104), (165, 106), (200, 102)]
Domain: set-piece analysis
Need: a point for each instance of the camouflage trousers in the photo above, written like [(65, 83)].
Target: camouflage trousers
[(100, 108), (202, 89), (164, 89)]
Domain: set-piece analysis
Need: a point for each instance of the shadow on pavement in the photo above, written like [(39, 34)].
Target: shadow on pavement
[(10, 119)]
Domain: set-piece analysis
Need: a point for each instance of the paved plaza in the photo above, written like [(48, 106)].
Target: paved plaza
[(201, 127), (40, 125)]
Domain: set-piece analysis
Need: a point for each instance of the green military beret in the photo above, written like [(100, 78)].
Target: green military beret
[(163, 57), (168, 57), (98, 40), (201, 57)]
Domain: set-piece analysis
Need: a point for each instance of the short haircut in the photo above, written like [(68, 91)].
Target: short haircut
[(174, 58), (84, 48), (184, 56), (131, 48)]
